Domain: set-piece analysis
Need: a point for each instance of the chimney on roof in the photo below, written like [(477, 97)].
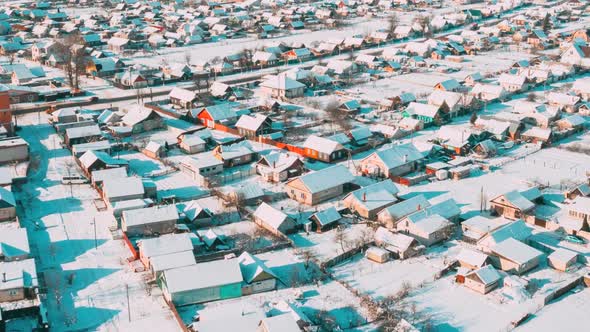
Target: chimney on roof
[(405, 158), (3, 276), (419, 207), (364, 197), (274, 164)]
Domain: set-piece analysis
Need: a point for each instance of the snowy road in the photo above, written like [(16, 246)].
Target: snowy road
[(87, 287)]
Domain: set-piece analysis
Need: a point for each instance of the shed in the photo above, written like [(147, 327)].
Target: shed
[(274, 220), (562, 259), (377, 254), (483, 280)]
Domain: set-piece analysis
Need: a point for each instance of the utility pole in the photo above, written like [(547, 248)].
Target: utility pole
[(95, 240), (128, 306)]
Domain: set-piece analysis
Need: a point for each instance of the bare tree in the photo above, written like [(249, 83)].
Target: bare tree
[(337, 116), (393, 23), (424, 22), (70, 51), (340, 237)]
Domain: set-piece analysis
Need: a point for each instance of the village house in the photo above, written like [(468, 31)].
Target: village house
[(370, 200), (19, 280), (201, 165), (577, 54), (154, 150), (562, 259), (323, 149), (489, 92), (274, 220), (513, 83), (183, 98), (475, 228), (396, 161), (315, 187), (324, 220), (472, 259), (252, 126), (569, 103), (122, 189), (256, 275), (98, 176), (279, 166), (86, 134), (282, 86), (192, 143), (236, 154), (7, 205), (393, 213), (203, 282), (483, 280), (13, 149), (401, 246), (140, 120), (92, 161), (164, 246), (224, 114), (428, 229), (515, 257), (428, 114), (149, 221), (517, 230), (516, 204)]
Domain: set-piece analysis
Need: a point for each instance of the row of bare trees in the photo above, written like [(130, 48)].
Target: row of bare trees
[(70, 52)]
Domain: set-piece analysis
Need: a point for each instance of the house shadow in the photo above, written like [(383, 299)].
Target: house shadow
[(82, 278), (69, 250), (301, 241), (142, 166), (58, 205), (91, 318)]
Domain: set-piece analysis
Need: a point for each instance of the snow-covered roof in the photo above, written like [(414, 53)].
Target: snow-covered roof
[(517, 230), (282, 82), (166, 244), (19, 274), (249, 122), (321, 144), (426, 110), (14, 242), (394, 242), (399, 155), (79, 132), (135, 116), (487, 274), (428, 223), (280, 323), (376, 195), (203, 275), (516, 251), (183, 94), (580, 204), (6, 198), (327, 216), (120, 187), (252, 267), (472, 257), (150, 215), (404, 208), (172, 261), (91, 156), (270, 215), (562, 255), (326, 178)]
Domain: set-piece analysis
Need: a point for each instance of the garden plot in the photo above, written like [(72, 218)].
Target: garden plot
[(453, 307), (326, 245), (382, 280)]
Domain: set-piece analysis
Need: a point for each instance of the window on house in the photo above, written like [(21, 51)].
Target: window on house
[(303, 196)]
